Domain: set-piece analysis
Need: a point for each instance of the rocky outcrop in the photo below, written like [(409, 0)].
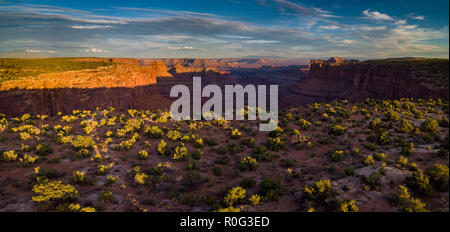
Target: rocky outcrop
[(123, 86), (381, 80), (226, 64)]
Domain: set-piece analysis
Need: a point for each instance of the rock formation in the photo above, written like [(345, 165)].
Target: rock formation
[(123, 86), (376, 79)]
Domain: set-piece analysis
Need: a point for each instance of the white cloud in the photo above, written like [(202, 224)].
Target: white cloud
[(182, 48), (40, 51), (400, 22), (330, 27), (419, 17), (260, 41), (94, 50), (375, 15), (88, 27), (368, 28)]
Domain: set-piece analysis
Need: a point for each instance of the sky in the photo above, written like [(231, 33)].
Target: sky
[(225, 28)]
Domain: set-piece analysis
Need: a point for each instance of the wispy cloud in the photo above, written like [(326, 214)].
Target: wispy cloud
[(170, 33), (375, 15)]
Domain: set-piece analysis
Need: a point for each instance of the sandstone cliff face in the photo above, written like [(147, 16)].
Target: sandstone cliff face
[(357, 81), (123, 86)]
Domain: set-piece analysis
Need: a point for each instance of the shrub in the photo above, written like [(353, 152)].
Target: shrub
[(225, 160), (278, 132), (217, 170), (349, 171), (430, 125), (229, 209), (143, 155), (197, 154), (402, 162), (319, 191), (163, 148), (44, 149), (373, 180), (198, 143), (286, 163), (249, 142), (235, 195), (141, 178), (81, 178), (248, 182), (300, 140), (248, 164), (406, 127), (275, 144), (304, 124), (110, 180), (406, 202), (105, 195), (337, 130), (28, 160), (383, 138), (408, 149), (270, 190), (260, 150), (375, 124), (154, 132), (82, 153), (102, 169), (9, 156), (380, 156), (235, 134), (419, 183), (181, 153), (82, 141), (211, 142), (254, 199), (336, 156), (54, 191), (368, 160), (348, 206), (391, 116), (194, 165), (438, 174), (174, 135)]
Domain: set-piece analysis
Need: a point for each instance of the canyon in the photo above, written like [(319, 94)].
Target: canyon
[(146, 83)]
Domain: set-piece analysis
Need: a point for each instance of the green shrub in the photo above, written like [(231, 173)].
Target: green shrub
[(217, 170), (249, 142), (44, 149), (248, 164), (270, 190), (154, 132), (82, 141), (430, 125), (336, 156), (197, 154), (143, 155), (406, 202), (275, 144), (438, 174), (408, 149), (248, 182), (419, 183), (319, 191), (337, 130)]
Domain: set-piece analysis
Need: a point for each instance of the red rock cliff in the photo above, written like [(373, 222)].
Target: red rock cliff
[(383, 80), (123, 86)]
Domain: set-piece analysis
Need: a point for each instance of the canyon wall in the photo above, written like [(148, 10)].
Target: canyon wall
[(123, 86), (382, 80)]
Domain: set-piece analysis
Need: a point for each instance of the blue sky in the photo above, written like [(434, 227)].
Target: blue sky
[(227, 28)]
